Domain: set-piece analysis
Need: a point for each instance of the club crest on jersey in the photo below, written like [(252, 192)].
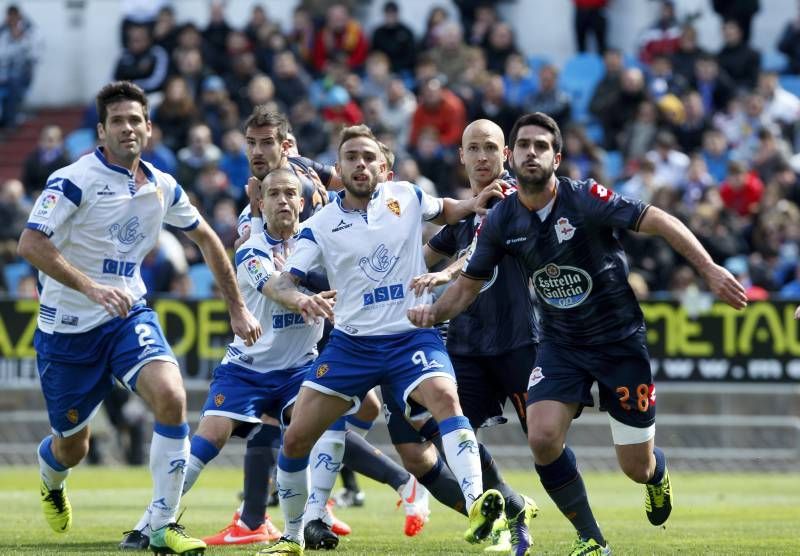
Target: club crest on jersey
[(47, 202), (562, 287), (322, 369), (219, 399), (536, 377), (393, 206), (72, 416), (564, 230), (601, 192)]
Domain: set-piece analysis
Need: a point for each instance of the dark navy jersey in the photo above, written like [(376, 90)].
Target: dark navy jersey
[(501, 319), (313, 178), (576, 263)]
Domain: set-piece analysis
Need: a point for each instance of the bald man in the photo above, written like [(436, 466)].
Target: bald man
[(493, 343)]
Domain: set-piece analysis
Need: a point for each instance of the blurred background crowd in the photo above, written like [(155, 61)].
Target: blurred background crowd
[(708, 136)]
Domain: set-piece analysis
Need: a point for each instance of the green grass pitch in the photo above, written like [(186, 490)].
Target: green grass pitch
[(715, 514)]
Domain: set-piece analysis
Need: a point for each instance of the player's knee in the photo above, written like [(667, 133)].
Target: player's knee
[(545, 441), (446, 404), (637, 470), (370, 409), (294, 445), (170, 405), (417, 459), (69, 452)]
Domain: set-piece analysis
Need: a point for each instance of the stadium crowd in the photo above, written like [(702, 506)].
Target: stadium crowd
[(707, 136)]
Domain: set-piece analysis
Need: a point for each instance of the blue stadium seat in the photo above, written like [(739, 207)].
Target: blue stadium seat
[(202, 280), (613, 165), (772, 60), (80, 142), (13, 273), (579, 77), (791, 83)]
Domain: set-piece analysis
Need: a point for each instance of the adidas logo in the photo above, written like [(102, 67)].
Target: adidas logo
[(342, 225), (105, 191)]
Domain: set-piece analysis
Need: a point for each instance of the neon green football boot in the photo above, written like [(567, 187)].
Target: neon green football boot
[(56, 507)]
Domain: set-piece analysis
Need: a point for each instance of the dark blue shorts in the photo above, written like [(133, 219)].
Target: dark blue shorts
[(350, 366), (244, 395), (77, 371), (621, 369)]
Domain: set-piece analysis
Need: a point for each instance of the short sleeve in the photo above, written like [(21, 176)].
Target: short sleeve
[(306, 256), (487, 250), (253, 267), (431, 206), (181, 213), (444, 241), (603, 207), (243, 225), (55, 205)]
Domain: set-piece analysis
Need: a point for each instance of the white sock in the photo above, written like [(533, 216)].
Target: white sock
[(143, 524), (293, 493), (193, 469), (169, 451), (53, 473), (324, 462), (461, 451)]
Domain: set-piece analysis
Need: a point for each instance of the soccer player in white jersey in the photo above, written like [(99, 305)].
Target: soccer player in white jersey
[(87, 234), (369, 243)]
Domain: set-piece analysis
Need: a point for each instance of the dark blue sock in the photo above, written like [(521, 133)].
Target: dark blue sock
[(661, 466), (490, 474), (565, 486), (260, 460), (443, 485)]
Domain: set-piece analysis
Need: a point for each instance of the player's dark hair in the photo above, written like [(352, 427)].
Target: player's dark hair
[(119, 91), (539, 119), (356, 131), (262, 116)]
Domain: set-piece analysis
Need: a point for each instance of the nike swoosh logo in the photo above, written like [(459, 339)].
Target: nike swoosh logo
[(413, 495), (233, 538)]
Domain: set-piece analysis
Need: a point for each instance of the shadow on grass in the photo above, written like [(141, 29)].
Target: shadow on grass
[(59, 548)]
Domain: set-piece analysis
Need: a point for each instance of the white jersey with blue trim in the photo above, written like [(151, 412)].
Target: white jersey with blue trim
[(287, 340), (104, 226), (370, 257)]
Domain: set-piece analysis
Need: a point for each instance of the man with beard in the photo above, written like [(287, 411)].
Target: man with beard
[(368, 242), (592, 329), (88, 233)]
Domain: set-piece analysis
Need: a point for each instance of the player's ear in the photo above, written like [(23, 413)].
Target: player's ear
[(303, 201), (285, 147), (390, 175), (506, 153), (461, 155), (101, 131), (556, 161)]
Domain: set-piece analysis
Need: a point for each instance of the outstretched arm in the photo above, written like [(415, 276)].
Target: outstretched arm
[(244, 324), (457, 298), (283, 289), (430, 280), (453, 211), (36, 248), (721, 282)]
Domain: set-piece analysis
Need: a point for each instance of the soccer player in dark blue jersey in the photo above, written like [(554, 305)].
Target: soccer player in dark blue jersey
[(592, 329), (492, 358)]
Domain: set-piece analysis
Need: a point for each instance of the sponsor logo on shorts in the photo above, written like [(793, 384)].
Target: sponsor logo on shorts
[(562, 287), (69, 320), (321, 370), (219, 399), (393, 206), (72, 416), (535, 378)]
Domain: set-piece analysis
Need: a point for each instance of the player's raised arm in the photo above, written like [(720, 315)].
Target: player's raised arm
[(722, 283), (243, 323), (36, 248), (453, 211)]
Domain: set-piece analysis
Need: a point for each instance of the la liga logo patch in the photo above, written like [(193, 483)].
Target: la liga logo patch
[(47, 202)]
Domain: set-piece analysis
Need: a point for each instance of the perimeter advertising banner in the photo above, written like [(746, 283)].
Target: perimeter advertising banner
[(760, 344)]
